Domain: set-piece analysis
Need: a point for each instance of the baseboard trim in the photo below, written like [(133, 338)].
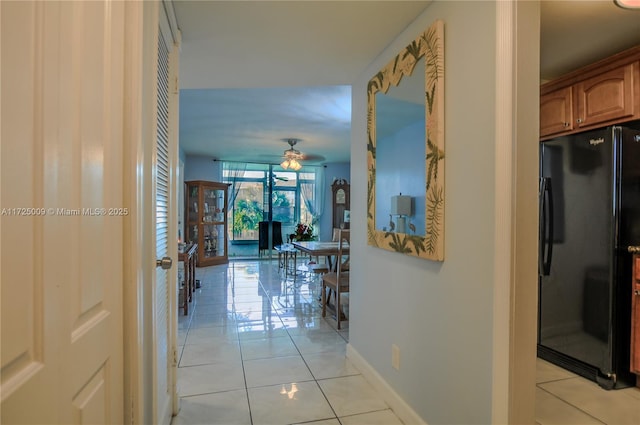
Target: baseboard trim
[(397, 404)]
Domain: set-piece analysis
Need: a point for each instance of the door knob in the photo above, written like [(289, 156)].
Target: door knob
[(165, 263)]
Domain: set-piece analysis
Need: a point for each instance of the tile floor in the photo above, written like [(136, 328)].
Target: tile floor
[(565, 398), (255, 350)]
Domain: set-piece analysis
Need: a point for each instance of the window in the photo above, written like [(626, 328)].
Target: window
[(262, 188)]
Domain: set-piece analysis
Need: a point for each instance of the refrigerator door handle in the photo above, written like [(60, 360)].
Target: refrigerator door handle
[(546, 227), (541, 225)]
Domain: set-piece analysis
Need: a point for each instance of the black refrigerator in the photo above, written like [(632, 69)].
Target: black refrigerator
[(589, 214)]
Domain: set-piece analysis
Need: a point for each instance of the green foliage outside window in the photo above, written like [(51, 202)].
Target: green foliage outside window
[(247, 216), (282, 209)]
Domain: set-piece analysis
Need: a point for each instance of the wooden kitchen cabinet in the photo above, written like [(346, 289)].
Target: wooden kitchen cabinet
[(206, 221), (635, 317), (556, 112), (604, 93), (607, 97)]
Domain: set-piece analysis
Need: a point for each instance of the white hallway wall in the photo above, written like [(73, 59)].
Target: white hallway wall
[(439, 314)]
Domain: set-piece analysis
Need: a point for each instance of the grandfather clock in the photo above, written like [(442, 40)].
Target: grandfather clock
[(341, 204)]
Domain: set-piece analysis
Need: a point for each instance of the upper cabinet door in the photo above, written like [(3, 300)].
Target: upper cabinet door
[(556, 112), (607, 97), (600, 94)]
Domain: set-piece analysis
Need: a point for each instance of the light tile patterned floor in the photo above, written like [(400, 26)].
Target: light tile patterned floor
[(255, 350), (565, 398)]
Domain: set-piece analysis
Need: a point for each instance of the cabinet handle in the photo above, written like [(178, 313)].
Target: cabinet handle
[(579, 120), (637, 292), (566, 124)]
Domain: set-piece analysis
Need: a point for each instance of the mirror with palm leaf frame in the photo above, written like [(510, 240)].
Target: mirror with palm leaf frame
[(405, 151)]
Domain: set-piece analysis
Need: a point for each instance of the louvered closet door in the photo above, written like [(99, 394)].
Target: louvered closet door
[(163, 357)]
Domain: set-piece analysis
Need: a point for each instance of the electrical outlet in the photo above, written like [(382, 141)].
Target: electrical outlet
[(395, 357)]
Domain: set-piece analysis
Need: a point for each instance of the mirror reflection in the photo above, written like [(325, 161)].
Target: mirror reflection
[(400, 155), (405, 150)]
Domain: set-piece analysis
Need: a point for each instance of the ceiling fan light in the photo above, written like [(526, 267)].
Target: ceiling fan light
[(627, 4), (291, 157)]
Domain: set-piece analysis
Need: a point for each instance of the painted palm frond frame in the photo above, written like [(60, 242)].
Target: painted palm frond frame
[(429, 45)]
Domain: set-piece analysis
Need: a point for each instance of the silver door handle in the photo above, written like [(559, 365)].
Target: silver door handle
[(165, 263)]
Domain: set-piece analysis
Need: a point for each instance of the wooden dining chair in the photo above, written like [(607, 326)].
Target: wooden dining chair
[(337, 281), (318, 268)]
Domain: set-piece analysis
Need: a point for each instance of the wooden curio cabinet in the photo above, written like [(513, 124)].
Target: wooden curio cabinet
[(206, 220)]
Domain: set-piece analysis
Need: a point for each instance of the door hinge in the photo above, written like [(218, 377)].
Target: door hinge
[(175, 89)]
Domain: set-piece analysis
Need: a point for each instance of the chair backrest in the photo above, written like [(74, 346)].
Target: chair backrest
[(342, 260), (263, 234)]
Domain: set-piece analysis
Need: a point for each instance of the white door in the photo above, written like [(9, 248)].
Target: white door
[(62, 212), (166, 231), (151, 131)]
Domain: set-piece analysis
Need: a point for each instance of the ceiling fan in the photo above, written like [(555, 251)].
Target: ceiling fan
[(292, 157), (275, 179)]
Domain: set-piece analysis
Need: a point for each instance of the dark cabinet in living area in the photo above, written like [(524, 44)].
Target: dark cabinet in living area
[(341, 201), (263, 235)]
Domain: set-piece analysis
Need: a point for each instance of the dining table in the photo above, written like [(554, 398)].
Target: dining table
[(329, 250)]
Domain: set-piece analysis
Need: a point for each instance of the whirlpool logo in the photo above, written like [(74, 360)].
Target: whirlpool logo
[(594, 142)]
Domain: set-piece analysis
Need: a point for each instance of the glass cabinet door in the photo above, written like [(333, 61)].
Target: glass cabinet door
[(192, 233), (213, 204), (213, 240), (206, 223), (192, 205)]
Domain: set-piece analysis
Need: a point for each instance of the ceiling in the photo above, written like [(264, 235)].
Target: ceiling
[(577, 33), (255, 73)]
